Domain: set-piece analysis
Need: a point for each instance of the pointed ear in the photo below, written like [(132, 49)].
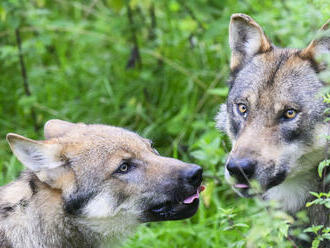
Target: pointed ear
[(246, 38), (56, 128), (319, 46), (35, 155)]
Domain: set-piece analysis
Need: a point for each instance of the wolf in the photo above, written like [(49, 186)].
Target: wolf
[(274, 116), (90, 186)]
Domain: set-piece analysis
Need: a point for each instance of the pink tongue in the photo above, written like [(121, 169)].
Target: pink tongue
[(241, 186), (190, 199)]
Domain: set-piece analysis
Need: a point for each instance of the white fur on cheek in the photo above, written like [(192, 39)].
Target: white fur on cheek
[(292, 193), (99, 207), (102, 216)]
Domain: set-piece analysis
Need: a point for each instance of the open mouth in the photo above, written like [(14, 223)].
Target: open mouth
[(176, 210), (191, 198), (242, 189), (241, 186)]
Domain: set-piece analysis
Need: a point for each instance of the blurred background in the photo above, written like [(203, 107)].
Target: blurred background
[(156, 67)]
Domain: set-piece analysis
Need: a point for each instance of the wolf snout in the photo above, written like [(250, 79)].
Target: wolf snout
[(193, 175), (241, 168)]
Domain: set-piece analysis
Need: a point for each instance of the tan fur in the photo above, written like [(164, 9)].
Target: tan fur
[(73, 195)]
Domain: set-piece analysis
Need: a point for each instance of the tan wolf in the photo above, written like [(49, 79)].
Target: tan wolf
[(274, 116), (87, 185)]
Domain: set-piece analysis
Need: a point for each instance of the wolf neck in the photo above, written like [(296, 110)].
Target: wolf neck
[(35, 216), (294, 192), (111, 230)]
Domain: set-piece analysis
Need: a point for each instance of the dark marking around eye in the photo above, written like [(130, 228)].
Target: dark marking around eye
[(291, 135), (234, 127)]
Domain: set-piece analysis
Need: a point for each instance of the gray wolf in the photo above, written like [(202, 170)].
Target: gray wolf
[(274, 116), (87, 185)]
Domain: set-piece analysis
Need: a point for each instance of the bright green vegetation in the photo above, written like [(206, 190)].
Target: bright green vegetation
[(81, 67)]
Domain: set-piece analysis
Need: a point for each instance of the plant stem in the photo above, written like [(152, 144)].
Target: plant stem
[(25, 77), (135, 53)]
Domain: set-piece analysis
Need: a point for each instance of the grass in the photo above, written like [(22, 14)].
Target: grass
[(76, 55)]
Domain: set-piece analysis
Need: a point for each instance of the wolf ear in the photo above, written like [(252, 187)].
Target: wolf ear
[(35, 155), (44, 160), (56, 128), (246, 38), (319, 46)]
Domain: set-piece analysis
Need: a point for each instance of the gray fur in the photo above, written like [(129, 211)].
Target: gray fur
[(270, 80)]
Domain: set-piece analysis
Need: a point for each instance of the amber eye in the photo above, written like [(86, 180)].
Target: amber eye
[(290, 114), (242, 108)]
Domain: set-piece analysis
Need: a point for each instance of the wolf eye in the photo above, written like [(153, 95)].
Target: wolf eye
[(242, 108), (290, 114), (124, 168)]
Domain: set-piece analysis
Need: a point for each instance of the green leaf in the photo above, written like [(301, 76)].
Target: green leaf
[(322, 165), (218, 91), (3, 14), (313, 229)]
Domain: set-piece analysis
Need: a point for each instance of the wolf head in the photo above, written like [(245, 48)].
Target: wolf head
[(274, 114), (104, 172)]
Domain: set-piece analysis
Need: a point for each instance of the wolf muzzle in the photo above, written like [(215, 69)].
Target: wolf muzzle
[(182, 197)]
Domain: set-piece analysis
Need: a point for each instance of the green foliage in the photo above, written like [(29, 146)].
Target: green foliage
[(82, 66), (323, 198), (322, 233), (322, 167)]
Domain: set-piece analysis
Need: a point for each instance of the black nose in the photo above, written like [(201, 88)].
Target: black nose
[(242, 169), (194, 175)]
